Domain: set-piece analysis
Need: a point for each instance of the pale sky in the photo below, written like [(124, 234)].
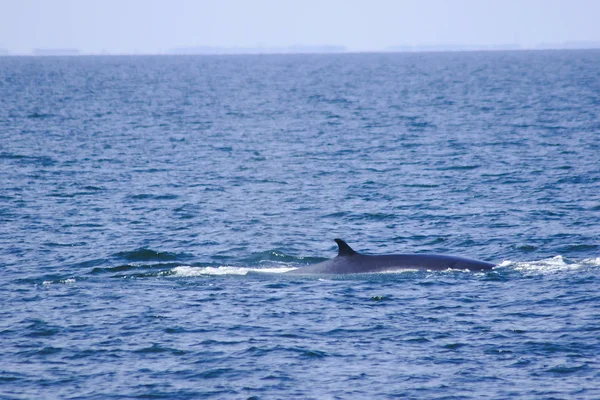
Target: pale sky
[(151, 26)]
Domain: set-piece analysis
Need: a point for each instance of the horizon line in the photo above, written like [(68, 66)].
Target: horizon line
[(308, 49)]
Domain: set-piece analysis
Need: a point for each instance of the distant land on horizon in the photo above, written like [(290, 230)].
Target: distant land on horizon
[(453, 47), (324, 49), (573, 45), (56, 52), (297, 49)]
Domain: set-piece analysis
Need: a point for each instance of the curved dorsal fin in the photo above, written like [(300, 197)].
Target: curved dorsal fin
[(344, 249)]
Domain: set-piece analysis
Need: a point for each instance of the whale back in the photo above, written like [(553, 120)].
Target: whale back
[(349, 261)]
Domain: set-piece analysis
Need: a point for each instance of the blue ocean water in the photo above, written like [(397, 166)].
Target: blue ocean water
[(150, 205)]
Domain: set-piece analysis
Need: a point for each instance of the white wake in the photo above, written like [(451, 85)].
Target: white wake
[(186, 271), (550, 265)]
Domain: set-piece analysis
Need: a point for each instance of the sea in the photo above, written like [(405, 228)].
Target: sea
[(151, 205)]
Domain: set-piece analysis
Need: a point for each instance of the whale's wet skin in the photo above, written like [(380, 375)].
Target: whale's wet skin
[(349, 261)]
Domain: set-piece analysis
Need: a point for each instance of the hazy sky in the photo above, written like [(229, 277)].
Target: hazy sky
[(152, 26)]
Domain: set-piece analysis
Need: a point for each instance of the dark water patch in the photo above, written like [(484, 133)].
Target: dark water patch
[(518, 331), (548, 348), (71, 195), (280, 378), (574, 248), (352, 331), (94, 188), (47, 351), (63, 195), (89, 225), (175, 330), (188, 211), (567, 370), (55, 244), (496, 175), (270, 256), (41, 329), (417, 125), (435, 241), (373, 217), (380, 298), (151, 170), (454, 346), (147, 196), (144, 254), (417, 339), (43, 161), (458, 168), (278, 285), (9, 377), (143, 275), (439, 281), (301, 352), (130, 267), (40, 115), (420, 185), (157, 349), (336, 215), (213, 342), (90, 263), (212, 188), (308, 353), (423, 238), (578, 180)]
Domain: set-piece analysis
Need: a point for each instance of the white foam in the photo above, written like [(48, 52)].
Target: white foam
[(548, 265), (186, 271), (592, 261), (65, 281)]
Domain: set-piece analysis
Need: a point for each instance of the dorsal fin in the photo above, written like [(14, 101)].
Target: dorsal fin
[(344, 249)]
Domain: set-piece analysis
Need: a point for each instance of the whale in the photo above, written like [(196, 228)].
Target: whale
[(349, 261)]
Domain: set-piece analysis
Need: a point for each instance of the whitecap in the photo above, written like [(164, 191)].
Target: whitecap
[(592, 261), (64, 281)]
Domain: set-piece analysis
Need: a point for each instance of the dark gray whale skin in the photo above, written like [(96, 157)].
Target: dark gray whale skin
[(349, 261)]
